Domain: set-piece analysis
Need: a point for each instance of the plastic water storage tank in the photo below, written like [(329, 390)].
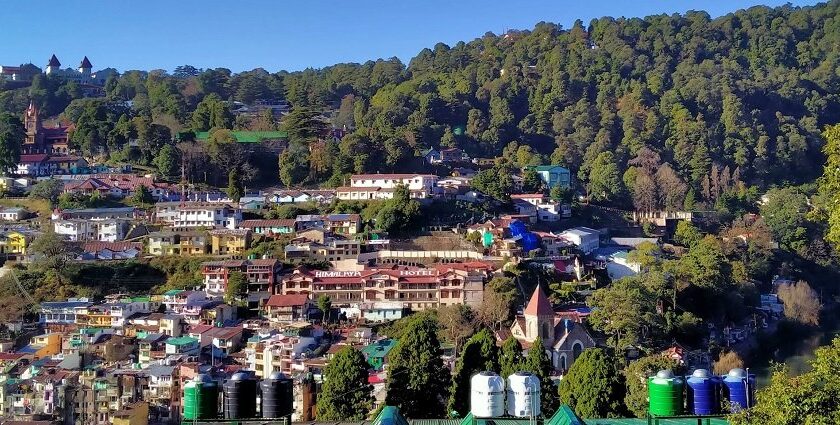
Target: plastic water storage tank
[(665, 392), (702, 389), (201, 398), (240, 393), (523, 395), (740, 387), (487, 395), (276, 396)]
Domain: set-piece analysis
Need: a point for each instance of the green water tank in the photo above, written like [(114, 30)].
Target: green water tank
[(201, 398), (665, 392)]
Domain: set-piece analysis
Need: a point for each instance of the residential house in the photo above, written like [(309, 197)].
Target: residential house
[(287, 308), (261, 274), (381, 186), (317, 245), (13, 213), (44, 345), (453, 155), (586, 239), (82, 230), (343, 224), (377, 353), (431, 156), (186, 243), (110, 250), (230, 241), (63, 312), (182, 345), (554, 175), (206, 215), (270, 227), (14, 243)]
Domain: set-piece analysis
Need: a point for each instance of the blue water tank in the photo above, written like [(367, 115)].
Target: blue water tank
[(528, 240), (740, 388), (702, 397)]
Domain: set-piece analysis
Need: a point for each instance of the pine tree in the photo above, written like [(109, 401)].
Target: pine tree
[(593, 387), (345, 394), (478, 354), (538, 363), (417, 378), (510, 357)]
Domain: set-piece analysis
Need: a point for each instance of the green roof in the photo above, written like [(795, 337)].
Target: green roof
[(379, 348), (248, 136), (172, 292), (182, 340), (389, 415), (549, 167)]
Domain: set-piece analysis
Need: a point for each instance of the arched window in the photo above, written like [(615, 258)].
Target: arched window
[(563, 365), (544, 332), (577, 348)]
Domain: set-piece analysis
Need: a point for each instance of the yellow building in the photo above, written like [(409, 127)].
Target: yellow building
[(45, 345), (136, 413), (177, 243), (230, 241), (14, 243)]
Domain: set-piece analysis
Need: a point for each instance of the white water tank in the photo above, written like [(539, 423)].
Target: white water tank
[(523, 395), (487, 395)]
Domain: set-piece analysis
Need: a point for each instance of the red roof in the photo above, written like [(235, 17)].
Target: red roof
[(539, 304), (33, 158), (387, 176), (112, 246), (527, 196), (250, 224), (286, 300)]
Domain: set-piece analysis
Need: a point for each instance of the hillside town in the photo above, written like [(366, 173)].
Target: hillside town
[(536, 226)]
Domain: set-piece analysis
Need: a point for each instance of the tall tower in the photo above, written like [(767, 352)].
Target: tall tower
[(32, 120), (53, 65), (85, 68), (539, 318)]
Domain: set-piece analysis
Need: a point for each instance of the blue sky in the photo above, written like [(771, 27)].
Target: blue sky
[(284, 34)]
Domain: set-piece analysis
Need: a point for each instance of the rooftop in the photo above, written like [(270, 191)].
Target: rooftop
[(248, 136)]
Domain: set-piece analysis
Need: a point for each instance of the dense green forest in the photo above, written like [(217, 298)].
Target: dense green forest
[(653, 110)]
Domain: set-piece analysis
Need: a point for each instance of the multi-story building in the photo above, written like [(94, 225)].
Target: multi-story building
[(63, 312), (13, 243), (175, 300), (269, 227), (185, 243), (344, 224), (261, 274), (198, 215), (554, 175), (287, 308), (277, 353), (316, 245), (229, 241), (381, 186), (81, 230), (95, 214), (415, 288)]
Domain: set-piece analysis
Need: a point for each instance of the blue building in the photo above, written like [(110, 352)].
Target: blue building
[(554, 175)]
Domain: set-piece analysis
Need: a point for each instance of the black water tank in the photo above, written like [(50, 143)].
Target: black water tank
[(240, 397), (276, 396)]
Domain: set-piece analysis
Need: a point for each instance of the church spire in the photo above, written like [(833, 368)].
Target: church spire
[(539, 305)]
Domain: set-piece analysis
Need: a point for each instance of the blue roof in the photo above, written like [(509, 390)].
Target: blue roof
[(28, 350), (65, 304)]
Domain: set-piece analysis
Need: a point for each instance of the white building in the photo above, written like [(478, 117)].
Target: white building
[(12, 214), (80, 230), (619, 266), (586, 239), (198, 214), (382, 186)]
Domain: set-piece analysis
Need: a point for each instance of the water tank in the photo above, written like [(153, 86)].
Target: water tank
[(240, 393), (487, 395), (523, 395), (702, 393), (740, 388), (276, 396), (201, 398), (665, 392)]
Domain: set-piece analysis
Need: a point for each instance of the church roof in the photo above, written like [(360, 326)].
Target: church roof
[(54, 61), (539, 304), (85, 63)]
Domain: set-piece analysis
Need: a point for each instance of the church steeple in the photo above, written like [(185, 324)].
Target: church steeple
[(32, 120), (539, 318)]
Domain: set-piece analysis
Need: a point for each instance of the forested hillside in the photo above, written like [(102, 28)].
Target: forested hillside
[(653, 110)]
